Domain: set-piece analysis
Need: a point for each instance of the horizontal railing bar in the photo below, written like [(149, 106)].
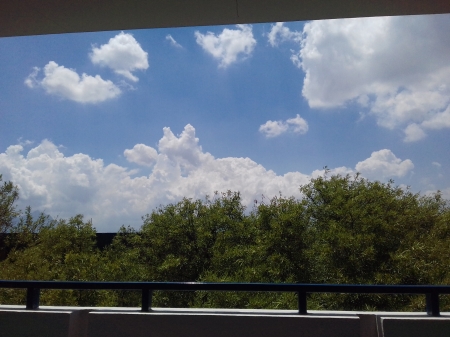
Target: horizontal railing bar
[(250, 287)]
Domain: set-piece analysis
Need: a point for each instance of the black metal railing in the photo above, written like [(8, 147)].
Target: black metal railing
[(34, 287)]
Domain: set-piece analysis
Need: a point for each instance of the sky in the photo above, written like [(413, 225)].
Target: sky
[(114, 124)]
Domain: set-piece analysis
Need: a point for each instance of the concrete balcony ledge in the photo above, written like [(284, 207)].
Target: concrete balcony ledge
[(15, 321)]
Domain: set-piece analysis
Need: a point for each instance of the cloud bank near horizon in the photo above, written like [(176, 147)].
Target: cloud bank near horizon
[(113, 195)]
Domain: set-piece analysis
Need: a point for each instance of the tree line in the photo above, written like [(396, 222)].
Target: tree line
[(344, 230)]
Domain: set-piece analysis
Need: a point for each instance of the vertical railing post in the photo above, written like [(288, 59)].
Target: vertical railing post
[(33, 295), (147, 295), (302, 303), (432, 301)]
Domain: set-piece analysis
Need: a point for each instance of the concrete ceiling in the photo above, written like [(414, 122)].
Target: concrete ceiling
[(35, 17)]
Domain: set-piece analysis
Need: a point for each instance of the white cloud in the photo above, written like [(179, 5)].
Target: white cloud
[(25, 142), (396, 67), (113, 195), (439, 120), (446, 193), (66, 83), (343, 170), (280, 33), (173, 42), (123, 54), (413, 132), (275, 128), (384, 164), (184, 148), (228, 46), (435, 163), (31, 81), (141, 154), (298, 124)]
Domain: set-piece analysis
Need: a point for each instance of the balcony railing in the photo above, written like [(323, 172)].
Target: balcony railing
[(431, 292)]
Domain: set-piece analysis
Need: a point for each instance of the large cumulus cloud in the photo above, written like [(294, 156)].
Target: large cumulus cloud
[(113, 195), (395, 68)]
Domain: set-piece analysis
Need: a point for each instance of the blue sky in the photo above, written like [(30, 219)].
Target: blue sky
[(166, 113)]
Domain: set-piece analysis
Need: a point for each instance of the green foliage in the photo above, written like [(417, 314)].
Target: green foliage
[(372, 233), (122, 261), (180, 240), (9, 193), (345, 230), (60, 250)]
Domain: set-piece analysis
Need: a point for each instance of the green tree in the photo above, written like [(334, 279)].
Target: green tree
[(268, 245), (123, 261), (178, 240), (364, 232), (63, 250), (9, 193), (345, 230)]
